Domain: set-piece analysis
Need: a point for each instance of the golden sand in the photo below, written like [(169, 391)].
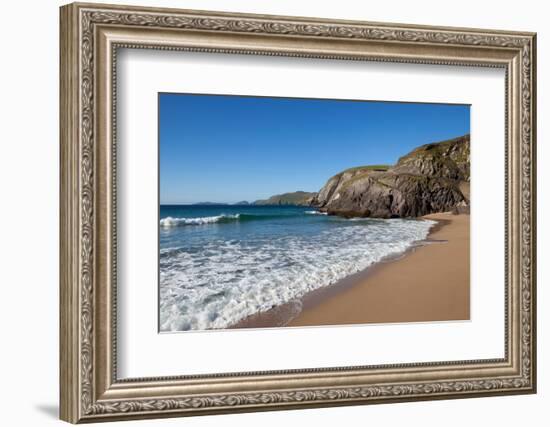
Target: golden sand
[(430, 283)]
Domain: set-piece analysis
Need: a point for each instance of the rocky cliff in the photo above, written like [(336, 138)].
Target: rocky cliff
[(298, 198), (432, 178)]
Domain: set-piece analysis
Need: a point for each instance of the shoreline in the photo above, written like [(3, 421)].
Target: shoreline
[(426, 273)]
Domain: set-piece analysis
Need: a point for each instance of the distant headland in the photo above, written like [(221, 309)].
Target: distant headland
[(432, 178)]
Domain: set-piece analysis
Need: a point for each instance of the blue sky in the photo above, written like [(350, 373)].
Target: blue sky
[(233, 148)]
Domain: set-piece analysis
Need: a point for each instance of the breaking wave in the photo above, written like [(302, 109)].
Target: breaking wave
[(226, 219), (215, 283), (176, 222)]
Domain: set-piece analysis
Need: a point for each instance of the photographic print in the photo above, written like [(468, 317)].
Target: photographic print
[(307, 212), (316, 199)]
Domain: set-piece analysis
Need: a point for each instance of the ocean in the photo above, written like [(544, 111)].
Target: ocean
[(222, 263)]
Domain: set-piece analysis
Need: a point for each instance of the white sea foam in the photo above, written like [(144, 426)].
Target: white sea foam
[(176, 222), (315, 213), (223, 281)]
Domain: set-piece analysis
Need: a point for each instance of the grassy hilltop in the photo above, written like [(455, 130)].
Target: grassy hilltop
[(298, 198)]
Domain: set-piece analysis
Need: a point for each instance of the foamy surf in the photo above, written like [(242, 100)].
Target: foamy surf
[(176, 222), (216, 283)]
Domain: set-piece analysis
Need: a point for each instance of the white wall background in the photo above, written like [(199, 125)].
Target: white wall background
[(29, 170)]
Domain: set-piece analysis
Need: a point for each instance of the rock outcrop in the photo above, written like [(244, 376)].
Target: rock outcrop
[(432, 178)]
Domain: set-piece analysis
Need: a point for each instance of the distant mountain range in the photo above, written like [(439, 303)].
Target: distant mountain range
[(208, 203), (296, 198), (244, 202)]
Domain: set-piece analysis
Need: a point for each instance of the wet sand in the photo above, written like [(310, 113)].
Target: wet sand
[(430, 282)]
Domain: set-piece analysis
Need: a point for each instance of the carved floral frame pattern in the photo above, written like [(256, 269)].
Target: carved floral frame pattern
[(78, 400)]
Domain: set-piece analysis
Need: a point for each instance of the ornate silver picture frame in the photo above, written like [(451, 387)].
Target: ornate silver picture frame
[(91, 35)]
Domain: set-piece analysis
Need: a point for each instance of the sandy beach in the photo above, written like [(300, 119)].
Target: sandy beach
[(431, 282)]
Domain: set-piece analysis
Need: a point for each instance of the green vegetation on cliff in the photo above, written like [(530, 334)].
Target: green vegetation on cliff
[(298, 198), (366, 168)]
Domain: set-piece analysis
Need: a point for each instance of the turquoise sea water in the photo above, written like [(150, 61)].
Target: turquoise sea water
[(222, 263)]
